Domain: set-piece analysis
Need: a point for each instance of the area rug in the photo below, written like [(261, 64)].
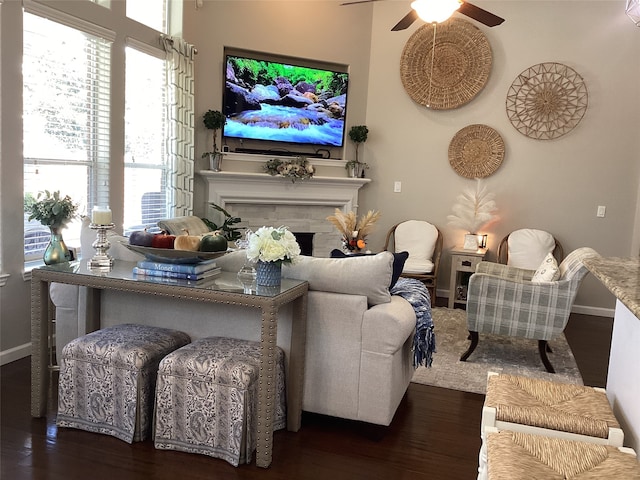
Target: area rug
[(516, 356)]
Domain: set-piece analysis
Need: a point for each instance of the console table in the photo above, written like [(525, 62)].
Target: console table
[(225, 288), (462, 261)]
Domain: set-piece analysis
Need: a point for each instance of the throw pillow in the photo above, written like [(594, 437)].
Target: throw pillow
[(548, 270), (398, 262), (176, 226)]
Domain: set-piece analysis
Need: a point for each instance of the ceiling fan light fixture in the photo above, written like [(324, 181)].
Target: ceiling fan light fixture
[(633, 11), (436, 11)]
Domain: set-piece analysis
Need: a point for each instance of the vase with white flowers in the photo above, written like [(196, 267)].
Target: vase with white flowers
[(474, 210), (271, 247)]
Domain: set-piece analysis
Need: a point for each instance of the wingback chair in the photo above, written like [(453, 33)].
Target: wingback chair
[(503, 300), (526, 247), (423, 241)]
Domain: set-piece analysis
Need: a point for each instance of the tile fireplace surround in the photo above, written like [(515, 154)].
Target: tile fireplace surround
[(260, 199)]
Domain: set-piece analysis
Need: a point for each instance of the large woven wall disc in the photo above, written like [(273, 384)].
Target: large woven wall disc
[(476, 151), (547, 101), (461, 64)]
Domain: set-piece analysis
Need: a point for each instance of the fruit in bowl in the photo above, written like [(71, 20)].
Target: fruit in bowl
[(141, 238), (187, 242), (163, 240), (213, 242)]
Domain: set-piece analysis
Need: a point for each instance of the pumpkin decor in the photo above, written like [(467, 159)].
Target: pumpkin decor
[(187, 242), (214, 242)]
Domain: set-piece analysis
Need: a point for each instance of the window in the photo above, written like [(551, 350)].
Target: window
[(145, 137), (66, 83), (72, 140), (152, 13)]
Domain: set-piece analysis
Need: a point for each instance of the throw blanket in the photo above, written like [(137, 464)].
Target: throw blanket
[(424, 341)]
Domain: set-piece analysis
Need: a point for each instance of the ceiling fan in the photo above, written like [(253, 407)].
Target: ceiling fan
[(436, 11)]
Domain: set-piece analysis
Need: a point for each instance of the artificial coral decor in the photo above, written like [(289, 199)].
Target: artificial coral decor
[(354, 233)]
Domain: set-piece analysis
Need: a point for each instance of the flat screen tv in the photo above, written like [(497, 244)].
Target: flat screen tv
[(283, 100)]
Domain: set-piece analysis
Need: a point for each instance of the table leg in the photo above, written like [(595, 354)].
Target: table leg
[(39, 347), (266, 385), (295, 380)]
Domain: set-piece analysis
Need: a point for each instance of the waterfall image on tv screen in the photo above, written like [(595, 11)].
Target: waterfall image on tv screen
[(266, 100)]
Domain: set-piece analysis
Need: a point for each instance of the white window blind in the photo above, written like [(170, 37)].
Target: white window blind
[(66, 110), (145, 141)]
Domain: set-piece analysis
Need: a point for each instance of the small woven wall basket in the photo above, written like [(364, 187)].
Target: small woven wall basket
[(462, 60), (476, 151)]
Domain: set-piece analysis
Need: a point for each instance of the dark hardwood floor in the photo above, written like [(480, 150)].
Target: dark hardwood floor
[(435, 434)]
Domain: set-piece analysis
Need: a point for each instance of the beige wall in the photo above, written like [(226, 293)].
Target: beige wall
[(554, 185)]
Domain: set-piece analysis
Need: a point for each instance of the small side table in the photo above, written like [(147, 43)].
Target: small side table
[(463, 264)]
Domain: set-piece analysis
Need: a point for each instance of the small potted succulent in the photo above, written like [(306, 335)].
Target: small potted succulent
[(214, 120), (357, 134)]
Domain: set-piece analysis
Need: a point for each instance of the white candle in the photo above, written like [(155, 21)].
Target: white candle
[(101, 216)]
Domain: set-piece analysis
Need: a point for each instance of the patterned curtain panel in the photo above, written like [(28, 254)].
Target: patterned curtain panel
[(180, 138)]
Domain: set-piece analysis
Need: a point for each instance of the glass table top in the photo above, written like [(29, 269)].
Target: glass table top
[(121, 270)]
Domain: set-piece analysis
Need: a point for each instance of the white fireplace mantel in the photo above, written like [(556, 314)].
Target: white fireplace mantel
[(261, 189)]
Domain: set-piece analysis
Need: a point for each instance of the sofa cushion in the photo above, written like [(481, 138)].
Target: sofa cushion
[(368, 275), (177, 225), (419, 238), (398, 262)]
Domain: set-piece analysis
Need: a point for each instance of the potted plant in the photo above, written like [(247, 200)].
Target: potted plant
[(53, 211), (227, 228), (214, 120), (358, 134)]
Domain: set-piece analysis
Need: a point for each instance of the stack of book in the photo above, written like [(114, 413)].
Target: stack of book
[(198, 271)]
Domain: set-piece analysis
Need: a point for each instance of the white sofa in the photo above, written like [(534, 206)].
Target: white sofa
[(359, 337)]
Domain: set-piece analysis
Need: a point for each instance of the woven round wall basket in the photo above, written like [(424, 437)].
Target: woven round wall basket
[(547, 101), (453, 72), (476, 151)]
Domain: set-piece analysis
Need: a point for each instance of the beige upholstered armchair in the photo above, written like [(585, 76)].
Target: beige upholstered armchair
[(504, 300), (423, 241)]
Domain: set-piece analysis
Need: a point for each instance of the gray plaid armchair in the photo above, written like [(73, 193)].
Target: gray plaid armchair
[(502, 300)]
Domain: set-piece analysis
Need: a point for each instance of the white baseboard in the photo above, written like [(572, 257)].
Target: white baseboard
[(15, 353), (582, 309)]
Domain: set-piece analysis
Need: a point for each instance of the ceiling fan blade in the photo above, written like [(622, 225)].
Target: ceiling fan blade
[(357, 1), (408, 19), (479, 14)]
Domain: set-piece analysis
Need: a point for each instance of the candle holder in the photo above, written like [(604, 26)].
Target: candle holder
[(101, 259)]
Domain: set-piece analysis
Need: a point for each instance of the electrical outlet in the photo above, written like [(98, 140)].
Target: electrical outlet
[(602, 210), (397, 187)]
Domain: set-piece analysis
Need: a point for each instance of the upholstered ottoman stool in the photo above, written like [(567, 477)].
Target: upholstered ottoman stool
[(108, 377), (515, 455), (207, 399)]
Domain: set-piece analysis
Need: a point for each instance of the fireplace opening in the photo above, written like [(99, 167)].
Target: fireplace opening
[(305, 240)]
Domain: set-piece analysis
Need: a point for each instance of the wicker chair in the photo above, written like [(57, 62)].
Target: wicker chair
[(502, 300), (423, 241), (528, 248)]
